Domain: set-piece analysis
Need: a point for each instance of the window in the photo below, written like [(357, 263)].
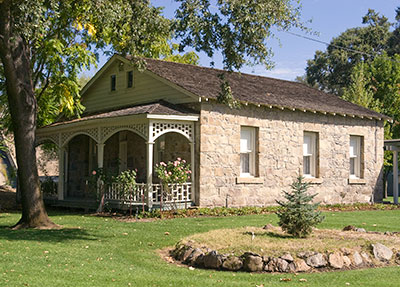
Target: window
[(129, 79), (355, 156), (310, 154), (247, 151), (113, 82)]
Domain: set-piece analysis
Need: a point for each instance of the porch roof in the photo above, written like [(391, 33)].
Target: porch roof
[(158, 108)]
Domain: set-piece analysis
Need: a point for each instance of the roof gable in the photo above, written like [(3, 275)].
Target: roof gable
[(147, 87)]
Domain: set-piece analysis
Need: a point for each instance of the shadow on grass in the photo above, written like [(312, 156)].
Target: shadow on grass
[(59, 235)]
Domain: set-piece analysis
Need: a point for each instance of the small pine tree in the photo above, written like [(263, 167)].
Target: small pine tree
[(298, 215)]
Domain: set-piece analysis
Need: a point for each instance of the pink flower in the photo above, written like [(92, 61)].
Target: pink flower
[(176, 163), (169, 173), (94, 172), (163, 163), (179, 159), (189, 171), (184, 161)]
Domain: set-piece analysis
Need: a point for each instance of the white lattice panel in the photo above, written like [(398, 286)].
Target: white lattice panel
[(42, 139), (67, 136), (164, 127), (141, 129)]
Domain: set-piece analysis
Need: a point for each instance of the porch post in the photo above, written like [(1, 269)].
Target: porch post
[(61, 173), (192, 167), (149, 157), (395, 177), (100, 155)]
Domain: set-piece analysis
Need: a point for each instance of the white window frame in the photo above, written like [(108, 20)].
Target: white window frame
[(248, 147), (355, 156), (310, 153)]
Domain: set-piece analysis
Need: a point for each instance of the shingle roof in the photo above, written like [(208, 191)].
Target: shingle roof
[(158, 108), (204, 82)]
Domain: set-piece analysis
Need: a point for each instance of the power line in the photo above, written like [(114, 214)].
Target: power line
[(339, 47)]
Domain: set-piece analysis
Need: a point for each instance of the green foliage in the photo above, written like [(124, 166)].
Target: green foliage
[(239, 29), (127, 181), (298, 215), (358, 92), (330, 70), (225, 96)]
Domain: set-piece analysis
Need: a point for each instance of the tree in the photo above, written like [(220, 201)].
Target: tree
[(359, 92), (44, 44), (376, 85), (330, 70), (298, 215)]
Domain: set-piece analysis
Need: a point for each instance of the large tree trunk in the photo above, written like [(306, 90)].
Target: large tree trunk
[(14, 54)]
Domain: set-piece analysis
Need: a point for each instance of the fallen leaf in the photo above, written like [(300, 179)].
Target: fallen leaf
[(347, 283), (124, 233), (45, 252), (285, 279), (303, 280), (191, 268), (166, 233)]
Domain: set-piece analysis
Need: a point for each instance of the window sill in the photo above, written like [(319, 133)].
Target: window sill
[(357, 181), (251, 180), (313, 180)]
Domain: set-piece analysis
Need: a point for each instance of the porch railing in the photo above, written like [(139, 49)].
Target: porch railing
[(179, 193)]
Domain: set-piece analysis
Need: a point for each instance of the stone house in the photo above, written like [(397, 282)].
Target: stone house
[(239, 157)]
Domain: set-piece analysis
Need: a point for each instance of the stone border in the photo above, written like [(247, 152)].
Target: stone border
[(308, 261)]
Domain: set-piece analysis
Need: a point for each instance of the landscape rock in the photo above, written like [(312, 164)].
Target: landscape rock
[(336, 260), (349, 228), (186, 253), (365, 257), (360, 230), (346, 251), (277, 265), (269, 226), (306, 254), (356, 259), (287, 257), (316, 261), (199, 261), (232, 263), (381, 252), (298, 265), (212, 260), (193, 256), (346, 261), (252, 262)]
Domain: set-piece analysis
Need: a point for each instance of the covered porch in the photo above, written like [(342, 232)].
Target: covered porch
[(134, 138)]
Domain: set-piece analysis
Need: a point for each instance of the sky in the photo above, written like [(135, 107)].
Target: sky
[(329, 18)]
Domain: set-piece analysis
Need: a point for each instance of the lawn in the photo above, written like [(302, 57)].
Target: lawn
[(94, 251)]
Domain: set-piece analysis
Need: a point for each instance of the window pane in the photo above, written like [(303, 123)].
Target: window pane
[(307, 145), (244, 163), (352, 166), (130, 79), (245, 140), (354, 146), (113, 82), (307, 165)]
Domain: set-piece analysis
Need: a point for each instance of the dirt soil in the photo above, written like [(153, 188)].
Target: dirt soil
[(7, 198)]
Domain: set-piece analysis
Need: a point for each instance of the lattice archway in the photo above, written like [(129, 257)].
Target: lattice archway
[(161, 128)]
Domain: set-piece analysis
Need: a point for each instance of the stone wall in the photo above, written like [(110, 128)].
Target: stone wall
[(280, 156)]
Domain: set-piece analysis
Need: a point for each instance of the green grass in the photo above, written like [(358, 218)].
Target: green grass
[(95, 251)]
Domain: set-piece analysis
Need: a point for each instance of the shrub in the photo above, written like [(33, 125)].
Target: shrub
[(298, 215)]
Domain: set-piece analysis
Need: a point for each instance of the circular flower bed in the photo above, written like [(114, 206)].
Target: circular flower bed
[(368, 255)]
